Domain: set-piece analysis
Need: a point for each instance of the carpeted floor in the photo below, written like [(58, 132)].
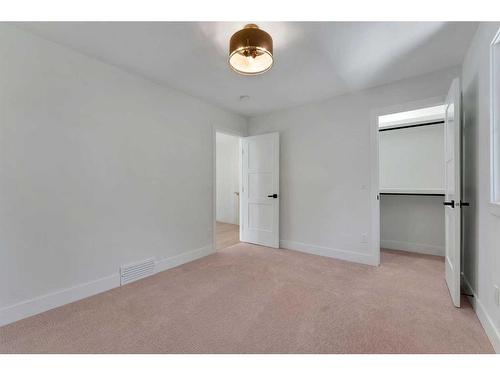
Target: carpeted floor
[(252, 299)]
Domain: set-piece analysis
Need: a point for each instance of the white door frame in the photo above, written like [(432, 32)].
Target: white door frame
[(374, 161), (219, 129)]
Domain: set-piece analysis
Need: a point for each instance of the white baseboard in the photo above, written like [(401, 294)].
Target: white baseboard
[(62, 297), (171, 262), (52, 300), (350, 256), (486, 321), (414, 247)]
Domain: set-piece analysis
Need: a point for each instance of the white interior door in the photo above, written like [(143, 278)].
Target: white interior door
[(259, 200), (452, 190)]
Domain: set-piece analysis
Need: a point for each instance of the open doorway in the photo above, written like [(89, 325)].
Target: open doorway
[(227, 200), (246, 194), (420, 159), (412, 180)]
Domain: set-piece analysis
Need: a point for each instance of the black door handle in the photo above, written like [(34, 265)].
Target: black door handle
[(273, 196), (451, 203)]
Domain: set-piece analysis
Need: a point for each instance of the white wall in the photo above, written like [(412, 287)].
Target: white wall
[(412, 158), (227, 177), (481, 228), (98, 168), (412, 223), (325, 166)]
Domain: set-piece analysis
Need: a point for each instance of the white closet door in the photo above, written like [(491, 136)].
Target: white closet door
[(452, 191), (259, 198)]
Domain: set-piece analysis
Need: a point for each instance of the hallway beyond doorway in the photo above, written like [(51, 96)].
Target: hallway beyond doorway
[(226, 235)]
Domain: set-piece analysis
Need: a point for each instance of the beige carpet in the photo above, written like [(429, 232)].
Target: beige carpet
[(252, 299)]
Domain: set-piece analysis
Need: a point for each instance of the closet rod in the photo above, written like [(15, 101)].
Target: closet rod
[(420, 194), (412, 126)]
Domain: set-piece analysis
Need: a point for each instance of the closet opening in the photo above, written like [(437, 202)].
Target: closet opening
[(412, 181)]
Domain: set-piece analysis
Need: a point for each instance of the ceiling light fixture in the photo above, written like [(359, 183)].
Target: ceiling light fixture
[(251, 51)]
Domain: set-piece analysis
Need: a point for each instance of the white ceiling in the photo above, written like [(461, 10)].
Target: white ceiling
[(313, 60)]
